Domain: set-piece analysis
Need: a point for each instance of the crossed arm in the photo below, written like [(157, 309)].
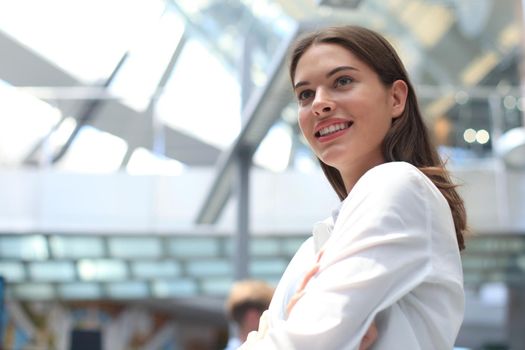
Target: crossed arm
[(366, 342), (378, 251)]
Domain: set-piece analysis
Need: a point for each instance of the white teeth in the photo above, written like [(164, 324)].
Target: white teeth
[(333, 128)]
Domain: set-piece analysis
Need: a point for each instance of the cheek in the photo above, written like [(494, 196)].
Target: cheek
[(380, 128), (302, 119)]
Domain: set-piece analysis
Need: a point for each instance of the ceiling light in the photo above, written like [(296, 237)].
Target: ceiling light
[(482, 136), (510, 102), (469, 135)]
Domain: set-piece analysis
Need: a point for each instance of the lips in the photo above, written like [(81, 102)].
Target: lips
[(333, 128)]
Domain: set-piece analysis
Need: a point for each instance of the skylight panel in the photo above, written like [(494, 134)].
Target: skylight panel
[(85, 38)]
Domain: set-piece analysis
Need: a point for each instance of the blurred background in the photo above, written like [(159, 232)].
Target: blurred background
[(150, 156)]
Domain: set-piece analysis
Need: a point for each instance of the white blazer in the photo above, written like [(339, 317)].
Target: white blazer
[(390, 255)]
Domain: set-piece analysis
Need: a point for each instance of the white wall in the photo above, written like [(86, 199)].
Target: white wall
[(50, 201)]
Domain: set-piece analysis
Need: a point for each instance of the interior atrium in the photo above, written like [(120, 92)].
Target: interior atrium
[(150, 156)]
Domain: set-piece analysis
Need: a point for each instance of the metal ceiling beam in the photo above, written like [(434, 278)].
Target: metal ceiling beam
[(20, 66), (193, 29), (262, 110)]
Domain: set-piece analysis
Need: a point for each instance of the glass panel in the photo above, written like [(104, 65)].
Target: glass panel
[(103, 270), (496, 245), (12, 271), (193, 247), (268, 267), (155, 269), (473, 279), (265, 246), (274, 151), (76, 247), (502, 277), (94, 151), (209, 268), (139, 76), (520, 262), (33, 291), (131, 247), (217, 286), (144, 162), (174, 288), (23, 248), (198, 70), (52, 271), (79, 291), (500, 263), (128, 290), (17, 111), (228, 246), (269, 246), (263, 21), (290, 245), (107, 28)]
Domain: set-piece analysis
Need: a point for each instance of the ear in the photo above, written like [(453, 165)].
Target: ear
[(399, 97)]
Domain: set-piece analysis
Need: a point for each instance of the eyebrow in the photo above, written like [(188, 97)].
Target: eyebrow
[(328, 75)]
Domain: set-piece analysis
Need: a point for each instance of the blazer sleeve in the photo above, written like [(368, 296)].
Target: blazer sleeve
[(379, 250)]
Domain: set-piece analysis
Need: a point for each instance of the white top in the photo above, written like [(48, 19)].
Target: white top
[(390, 254)]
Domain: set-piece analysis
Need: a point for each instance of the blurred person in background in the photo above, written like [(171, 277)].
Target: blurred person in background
[(246, 302)]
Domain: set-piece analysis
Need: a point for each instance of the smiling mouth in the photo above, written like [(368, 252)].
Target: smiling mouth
[(333, 129)]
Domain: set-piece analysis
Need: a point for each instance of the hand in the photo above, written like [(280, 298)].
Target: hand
[(300, 291), (255, 336), (371, 334), (369, 338)]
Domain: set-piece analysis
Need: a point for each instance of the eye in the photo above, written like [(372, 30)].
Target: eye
[(342, 81), (305, 95)]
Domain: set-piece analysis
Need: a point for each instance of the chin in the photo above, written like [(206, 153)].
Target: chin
[(334, 161), (336, 165)]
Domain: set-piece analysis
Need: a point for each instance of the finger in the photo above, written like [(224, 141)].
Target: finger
[(369, 338), (252, 336), (308, 276), (295, 298), (300, 291), (263, 324), (319, 255), (373, 331)]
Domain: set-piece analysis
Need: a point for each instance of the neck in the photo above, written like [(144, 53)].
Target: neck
[(352, 173)]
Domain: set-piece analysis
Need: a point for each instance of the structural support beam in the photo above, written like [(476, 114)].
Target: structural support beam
[(242, 236), (260, 113), (115, 117)]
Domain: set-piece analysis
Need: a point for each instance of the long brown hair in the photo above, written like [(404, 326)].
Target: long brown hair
[(407, 139)]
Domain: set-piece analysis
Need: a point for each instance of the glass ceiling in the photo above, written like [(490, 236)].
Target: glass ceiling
[(186, 68), (172, 62)]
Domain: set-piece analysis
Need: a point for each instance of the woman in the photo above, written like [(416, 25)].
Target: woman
[(388, 259)]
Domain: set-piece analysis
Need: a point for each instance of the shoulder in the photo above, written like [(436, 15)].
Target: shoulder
[(394, 180), (394, 173), (398, 188)]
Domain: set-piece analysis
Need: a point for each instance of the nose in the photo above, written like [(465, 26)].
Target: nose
[(323, 103)]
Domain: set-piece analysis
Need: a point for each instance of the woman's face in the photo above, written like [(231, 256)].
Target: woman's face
[(345, 110)]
